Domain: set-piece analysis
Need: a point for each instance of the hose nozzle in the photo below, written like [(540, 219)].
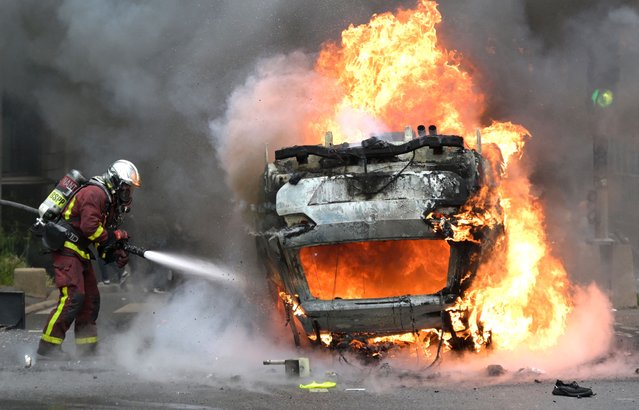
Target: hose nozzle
[(136, 250)]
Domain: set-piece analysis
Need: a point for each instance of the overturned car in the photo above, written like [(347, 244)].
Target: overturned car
[(368, 239)]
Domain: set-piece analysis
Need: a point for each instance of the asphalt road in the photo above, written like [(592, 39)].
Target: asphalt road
[(114, 380)]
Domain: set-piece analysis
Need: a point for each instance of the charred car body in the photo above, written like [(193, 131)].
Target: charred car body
[(359, 241)]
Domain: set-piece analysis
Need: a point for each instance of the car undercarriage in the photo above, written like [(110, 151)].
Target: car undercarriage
[(359, 240)]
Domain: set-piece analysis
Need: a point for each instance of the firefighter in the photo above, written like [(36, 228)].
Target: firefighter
[(93, 214)]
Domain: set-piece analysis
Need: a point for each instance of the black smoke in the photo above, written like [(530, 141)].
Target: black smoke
[(539, 63), (143, 80)]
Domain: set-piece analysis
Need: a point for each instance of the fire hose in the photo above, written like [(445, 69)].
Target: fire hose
[(136, 250), (19, 206)]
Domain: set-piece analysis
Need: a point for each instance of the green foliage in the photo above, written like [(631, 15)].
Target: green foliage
[(10, 257)]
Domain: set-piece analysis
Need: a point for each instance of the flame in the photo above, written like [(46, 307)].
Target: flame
[(392, 72), (481, 211), (509, 137), (426, 342), (521, 295), (375, 269), (292, 303)]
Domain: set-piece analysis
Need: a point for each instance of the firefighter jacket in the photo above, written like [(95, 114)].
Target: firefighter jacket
[(89, 212)]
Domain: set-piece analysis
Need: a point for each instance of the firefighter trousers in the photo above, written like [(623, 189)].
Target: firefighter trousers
[(79, 301)]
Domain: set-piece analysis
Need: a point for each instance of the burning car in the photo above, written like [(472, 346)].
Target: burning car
[(378, 238)]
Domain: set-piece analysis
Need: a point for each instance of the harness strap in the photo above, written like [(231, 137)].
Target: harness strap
[(74, 235)]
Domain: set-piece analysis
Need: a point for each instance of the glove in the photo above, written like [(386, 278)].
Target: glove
[(120, 234), (121, 257), (108, 248), (113, 237)]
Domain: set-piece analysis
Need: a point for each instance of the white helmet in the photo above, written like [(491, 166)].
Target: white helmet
[(123, 171)]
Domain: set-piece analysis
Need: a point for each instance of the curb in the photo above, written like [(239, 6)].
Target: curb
[(39, 306), (35, 305), (53, 299)]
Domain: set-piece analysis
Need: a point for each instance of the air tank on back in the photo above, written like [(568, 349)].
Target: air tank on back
[(51, 208)]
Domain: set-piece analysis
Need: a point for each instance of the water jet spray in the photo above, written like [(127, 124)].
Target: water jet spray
[(185, 264)]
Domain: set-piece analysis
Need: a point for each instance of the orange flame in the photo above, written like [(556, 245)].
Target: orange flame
[(392, 72), (375, 269), (426, 341), (521, 296), (291, 302)]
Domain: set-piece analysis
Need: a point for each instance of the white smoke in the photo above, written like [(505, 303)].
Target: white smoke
[(207, 327), (265, 114)]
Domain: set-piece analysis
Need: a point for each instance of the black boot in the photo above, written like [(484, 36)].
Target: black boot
[(50, 351)]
